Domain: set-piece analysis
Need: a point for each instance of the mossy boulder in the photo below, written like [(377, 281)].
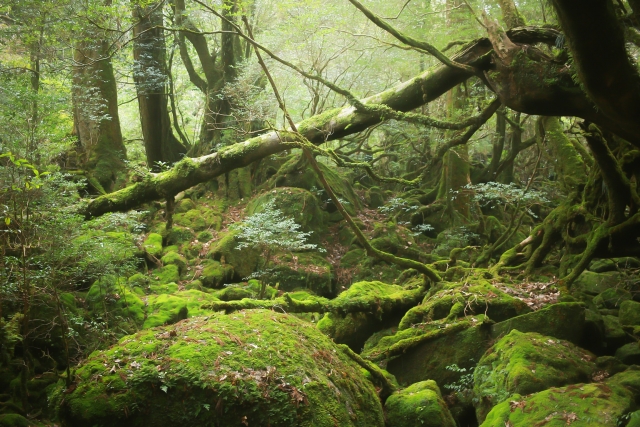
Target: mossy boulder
[(256, 368), (165, 309), (199, 219), (565, 320), (303, 270), (629, 354), (14, 420), (526, 363), (176, 259), (614, 334), (214, 274), (602, 404), (630, 313), (296, 172), (153, 244), (602, 265), (169, 273), (612, 298), (424, 352), (353, 329), (592, 283), (297, 203), (455, 300), (178, 235), (420, 404), (244, 261), (184, 205)]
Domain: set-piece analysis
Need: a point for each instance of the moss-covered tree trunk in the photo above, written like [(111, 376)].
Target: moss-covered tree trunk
[(150, 75), (95, 111)]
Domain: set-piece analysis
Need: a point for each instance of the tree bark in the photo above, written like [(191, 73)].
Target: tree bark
[(150, 75), (597, 42), (95, 111)]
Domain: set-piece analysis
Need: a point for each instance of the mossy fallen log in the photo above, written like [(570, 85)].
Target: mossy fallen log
[(330, 125)]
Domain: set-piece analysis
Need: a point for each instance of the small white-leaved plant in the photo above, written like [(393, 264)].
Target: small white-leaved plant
[(271, 232)]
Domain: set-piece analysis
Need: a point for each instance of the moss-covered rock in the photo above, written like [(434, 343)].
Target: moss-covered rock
[(420, 404), (165, 309), (153, 244), (602, 265), (184, 205), (629, 354), (244, 261), (178, 235), (526, 363), (592, 283), (170, 273), (14, 420), (176, 259), (454, 300), (612, 298), (199, 219), (564, 321), (296, 172), (214, 274), (614, 334), (257, 368), (304, 270), (297, 203), (630, 313), (580, 405), (353, 329)]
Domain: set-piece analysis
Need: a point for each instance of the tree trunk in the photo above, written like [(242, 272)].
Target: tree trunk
[(95, 111), (150, 75)]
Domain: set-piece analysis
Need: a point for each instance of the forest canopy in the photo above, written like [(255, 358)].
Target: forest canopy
[(437, 186)]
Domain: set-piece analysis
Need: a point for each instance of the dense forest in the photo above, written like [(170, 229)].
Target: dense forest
[(319, 213)]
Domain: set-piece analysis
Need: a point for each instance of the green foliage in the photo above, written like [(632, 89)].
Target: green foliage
[(272, 233)]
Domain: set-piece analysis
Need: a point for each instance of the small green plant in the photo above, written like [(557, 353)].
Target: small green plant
[(271, 233), (465, 382)]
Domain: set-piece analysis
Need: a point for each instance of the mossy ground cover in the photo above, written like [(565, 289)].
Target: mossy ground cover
[(420, 404), (253, 367)]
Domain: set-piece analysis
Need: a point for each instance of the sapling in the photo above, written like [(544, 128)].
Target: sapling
[(271, 232)]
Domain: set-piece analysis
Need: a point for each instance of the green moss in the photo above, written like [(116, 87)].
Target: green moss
[(308, 270), (474, 296), (353, 329), (204, 236), (296, 203), (168, 274), (580, 405), (257, 367), (526, 363), (174, 258), (214, 274), (178, 235), (594, 283), (224, 250), (114, 296), (612, 298), (564, 320), (630, 313), (199, 219), (172, 248), (166, 309), (14, 420), (184, 205), (420, 404), (153, 244)]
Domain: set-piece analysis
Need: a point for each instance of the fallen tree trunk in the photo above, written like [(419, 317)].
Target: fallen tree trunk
[(330, 125)]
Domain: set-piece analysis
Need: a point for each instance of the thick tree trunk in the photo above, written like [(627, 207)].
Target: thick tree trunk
[(597, 42), (95, 111), (150, 76)]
